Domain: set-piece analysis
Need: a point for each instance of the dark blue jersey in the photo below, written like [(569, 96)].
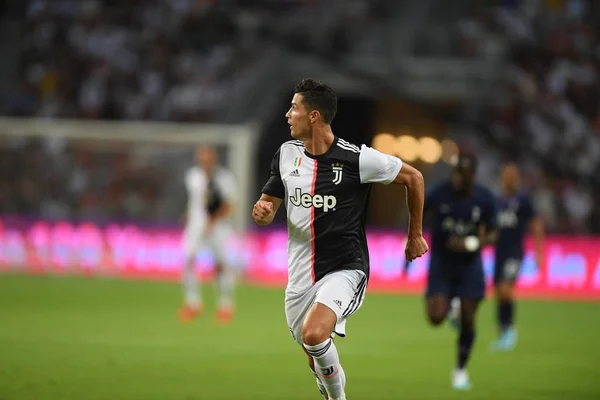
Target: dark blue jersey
[(459, 215), (514, 215)]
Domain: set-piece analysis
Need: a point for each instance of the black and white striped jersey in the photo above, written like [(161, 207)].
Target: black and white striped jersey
[(326, 198)]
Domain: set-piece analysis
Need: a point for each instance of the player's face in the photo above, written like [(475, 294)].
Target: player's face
[(298, 118), (206, 157), (462, 178), (510, 177)]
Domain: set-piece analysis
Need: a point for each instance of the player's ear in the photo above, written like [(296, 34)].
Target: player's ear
[(314, 116)]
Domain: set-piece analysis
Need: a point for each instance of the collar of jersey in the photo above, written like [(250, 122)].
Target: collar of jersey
[(329, 150)]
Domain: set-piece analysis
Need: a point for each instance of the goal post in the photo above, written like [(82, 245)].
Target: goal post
[(162, 148)]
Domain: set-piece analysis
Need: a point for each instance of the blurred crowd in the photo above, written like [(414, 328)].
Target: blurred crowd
[(138, 59), (181, 60), (547, 115)]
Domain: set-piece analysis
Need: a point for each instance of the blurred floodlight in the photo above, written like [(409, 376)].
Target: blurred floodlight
[(407, 148), (449, 150), (430, 150), (384, 142)]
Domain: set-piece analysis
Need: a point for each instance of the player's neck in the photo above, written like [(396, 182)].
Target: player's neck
[(320, 142)]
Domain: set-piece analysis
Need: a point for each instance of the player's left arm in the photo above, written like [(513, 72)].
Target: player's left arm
[(376, 167)]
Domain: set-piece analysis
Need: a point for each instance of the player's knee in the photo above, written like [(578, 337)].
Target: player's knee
[(436, 311), (504, 292), (436, 319), (436, 315), (314, 334)]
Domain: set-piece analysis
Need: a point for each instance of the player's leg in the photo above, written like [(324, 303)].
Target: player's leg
[(316, 337), (505, 275), (225, 275), (454, 313), (466, 338), (471, 290), (436, 308), (192, 298), (320, 385), (339, 296), (297, 306), (437, 293)]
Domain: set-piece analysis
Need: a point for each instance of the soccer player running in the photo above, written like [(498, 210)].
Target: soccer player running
[(211, 196), (464, 221), (515, 216), (325, 182)]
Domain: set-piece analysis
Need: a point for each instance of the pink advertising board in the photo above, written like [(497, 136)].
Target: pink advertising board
[(571, 267)]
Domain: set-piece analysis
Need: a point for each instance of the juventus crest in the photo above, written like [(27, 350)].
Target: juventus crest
[(337, 173)]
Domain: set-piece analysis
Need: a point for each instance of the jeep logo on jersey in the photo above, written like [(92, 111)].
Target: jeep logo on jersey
[(337, 171), (305, 200)]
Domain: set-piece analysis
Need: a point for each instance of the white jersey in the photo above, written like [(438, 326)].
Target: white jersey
[(196, 184), (326, 198), (221, 188)]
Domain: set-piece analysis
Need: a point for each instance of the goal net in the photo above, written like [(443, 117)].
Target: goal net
[(98, 170)]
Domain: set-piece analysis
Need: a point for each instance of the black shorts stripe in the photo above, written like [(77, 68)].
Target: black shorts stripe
[(356, 298), (359, 300)]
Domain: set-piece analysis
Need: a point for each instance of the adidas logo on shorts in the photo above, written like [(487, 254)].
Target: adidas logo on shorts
[(339, 303), (295, 173)]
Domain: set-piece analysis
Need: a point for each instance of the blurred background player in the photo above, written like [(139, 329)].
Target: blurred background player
[(515, 215), (463, 222), (211, 197)]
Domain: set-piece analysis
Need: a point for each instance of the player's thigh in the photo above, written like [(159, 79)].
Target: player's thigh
[(192, 238), (221, 244), (439, 278), (343, 293), (297, 306), (471, 281)]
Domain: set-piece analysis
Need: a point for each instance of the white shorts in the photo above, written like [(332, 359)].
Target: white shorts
[(193, 237), (342, 291), (220, 241)]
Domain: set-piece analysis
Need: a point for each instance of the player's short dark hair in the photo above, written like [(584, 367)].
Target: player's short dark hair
[(318, 96)]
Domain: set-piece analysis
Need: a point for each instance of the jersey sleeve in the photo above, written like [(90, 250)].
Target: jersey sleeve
[(376, 167), (274, 186), (227, 186)]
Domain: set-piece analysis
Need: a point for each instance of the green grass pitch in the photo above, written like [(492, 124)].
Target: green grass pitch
[(78, 339)]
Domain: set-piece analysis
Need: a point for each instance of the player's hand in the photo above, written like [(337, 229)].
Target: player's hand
[(415, 248), (262, 213)]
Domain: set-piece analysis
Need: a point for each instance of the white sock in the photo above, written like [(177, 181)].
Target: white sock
[(226, 285), (191, 287), (327, 366), (455, 306), (321, 387)]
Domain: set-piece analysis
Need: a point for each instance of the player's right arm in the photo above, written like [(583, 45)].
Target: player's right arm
[(272, 195), (378, 167)]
